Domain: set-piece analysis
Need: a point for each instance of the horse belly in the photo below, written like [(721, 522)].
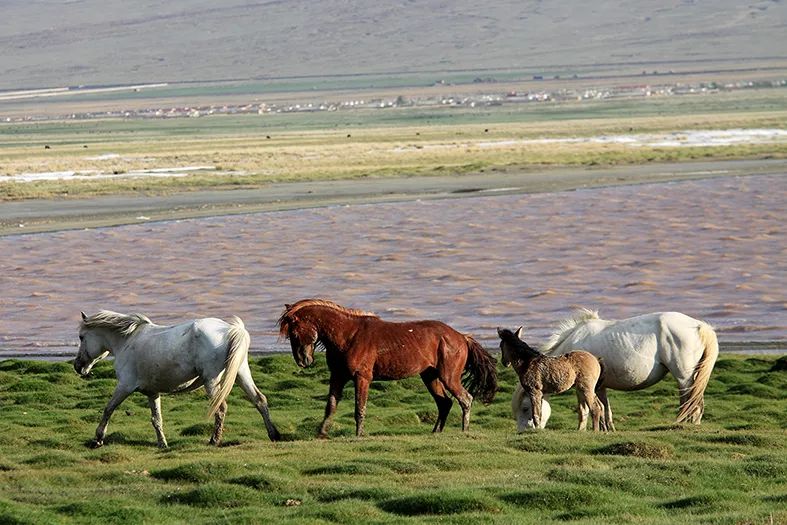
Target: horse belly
[(399, 364), (557, 381), (633, 374), (629, 357), (166, 375)]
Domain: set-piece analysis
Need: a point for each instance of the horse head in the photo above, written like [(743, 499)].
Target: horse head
[(92, 348), (302, 335), (510, 342)]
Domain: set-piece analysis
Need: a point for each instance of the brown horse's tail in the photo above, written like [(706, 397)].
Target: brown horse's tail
[(480, 372), (694, 405)]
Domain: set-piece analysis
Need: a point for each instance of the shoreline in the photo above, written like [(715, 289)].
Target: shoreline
[(748, 348), (51, 215)]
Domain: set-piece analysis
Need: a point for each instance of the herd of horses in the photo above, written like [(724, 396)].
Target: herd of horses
[(586, 352)]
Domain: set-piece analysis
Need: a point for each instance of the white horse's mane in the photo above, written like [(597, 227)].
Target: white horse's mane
[(566, 326), (125, 324)]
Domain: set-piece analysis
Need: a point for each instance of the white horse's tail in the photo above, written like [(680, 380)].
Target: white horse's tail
[(694, 405), (237, 351)]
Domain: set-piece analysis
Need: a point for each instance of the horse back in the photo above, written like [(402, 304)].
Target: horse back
[(638, 351), (586, 365), (550, 374), (187, 346), (397, 350), (392, 336)]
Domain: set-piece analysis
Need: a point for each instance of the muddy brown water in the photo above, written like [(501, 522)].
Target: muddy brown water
[(714, 249)]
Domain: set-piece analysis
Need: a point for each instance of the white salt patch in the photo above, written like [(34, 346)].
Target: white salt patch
[(679, 139), (105, 156), (94, 175)]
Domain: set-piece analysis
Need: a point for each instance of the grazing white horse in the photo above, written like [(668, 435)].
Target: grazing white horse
[(523, 412), (152, 359), (639, 351)]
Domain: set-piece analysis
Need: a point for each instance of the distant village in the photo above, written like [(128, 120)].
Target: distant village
[(467, 101)]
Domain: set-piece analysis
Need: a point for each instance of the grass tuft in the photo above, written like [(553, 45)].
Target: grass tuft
[(638, 450), (52, 459), (568, 502), (749, 440), (329, 494), (439, 502), (780, 365), (199, 472), (259, 482), (353, 468), (214, 495), (200, 429)]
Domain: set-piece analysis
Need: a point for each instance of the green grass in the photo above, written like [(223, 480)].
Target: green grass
[(731, 469)]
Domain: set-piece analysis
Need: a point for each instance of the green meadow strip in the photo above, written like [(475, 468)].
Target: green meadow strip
[(731, 469)]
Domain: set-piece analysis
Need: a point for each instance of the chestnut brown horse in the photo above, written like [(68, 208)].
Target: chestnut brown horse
[(362, 347)]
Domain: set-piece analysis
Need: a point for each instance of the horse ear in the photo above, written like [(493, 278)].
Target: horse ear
[(520, 332), (499, 333), (84, 317), (287, 306)]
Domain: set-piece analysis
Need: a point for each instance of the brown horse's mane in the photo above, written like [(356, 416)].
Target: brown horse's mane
[(291, 309)]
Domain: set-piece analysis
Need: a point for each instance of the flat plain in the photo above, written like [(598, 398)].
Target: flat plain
[(159, 156)]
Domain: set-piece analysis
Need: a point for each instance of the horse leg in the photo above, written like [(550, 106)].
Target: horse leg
[(337, 383), (582, 413), (588, 402), (596, 411), (450, 375), (154, 402), (361, 394), (535, 403), (255, 396), (218, 425), (437, 389), (118, 396), (462, 396), (602, 395)]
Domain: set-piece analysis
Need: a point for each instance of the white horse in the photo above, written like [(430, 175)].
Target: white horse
[(639, 351), (152, 359), (523, 412)]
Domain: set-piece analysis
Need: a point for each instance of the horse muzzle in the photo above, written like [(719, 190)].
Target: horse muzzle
[(81, 368), (306, 361)]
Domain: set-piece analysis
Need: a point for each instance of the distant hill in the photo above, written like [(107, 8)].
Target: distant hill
[(108, 42)]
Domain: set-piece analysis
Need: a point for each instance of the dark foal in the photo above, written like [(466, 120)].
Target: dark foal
[(541, 374)]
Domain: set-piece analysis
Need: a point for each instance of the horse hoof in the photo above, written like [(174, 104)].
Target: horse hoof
[(96, 443), (322, 435), (274, 436)]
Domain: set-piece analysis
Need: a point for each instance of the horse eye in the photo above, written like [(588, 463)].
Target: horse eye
[(81, 337)]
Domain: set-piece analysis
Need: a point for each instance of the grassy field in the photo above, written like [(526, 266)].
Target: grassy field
[(732, 469), (254, 150)]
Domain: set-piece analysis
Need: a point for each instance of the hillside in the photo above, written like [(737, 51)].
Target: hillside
[(103, 42)]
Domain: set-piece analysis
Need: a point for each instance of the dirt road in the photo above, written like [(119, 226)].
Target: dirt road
[(52, 215)]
